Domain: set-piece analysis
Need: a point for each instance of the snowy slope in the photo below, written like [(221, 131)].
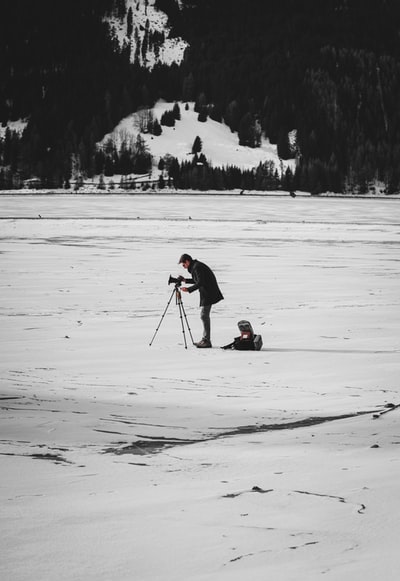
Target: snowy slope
[(17, 126), (144, 12), (220, 145)]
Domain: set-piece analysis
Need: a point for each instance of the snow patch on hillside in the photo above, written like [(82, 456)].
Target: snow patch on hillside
[(145, 15), (16, 126), (219, 144)]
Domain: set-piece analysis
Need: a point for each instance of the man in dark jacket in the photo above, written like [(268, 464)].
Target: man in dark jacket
[(202, 279)]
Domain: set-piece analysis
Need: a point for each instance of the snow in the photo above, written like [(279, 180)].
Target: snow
[(13, 126), (275, 465), (219, 144), (144, 13)]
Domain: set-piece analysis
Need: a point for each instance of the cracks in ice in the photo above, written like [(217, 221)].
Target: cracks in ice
[(240, 557), (53, 457), (301, 545), (361, 506), (254, 489), (143, 447), (147, 445), (255, 553), (155, 445)]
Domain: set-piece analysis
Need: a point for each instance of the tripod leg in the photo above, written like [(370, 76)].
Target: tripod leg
[(187, 322), (162, 317), (182, 325)]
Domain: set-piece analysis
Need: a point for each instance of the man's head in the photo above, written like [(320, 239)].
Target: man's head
[(185, 260)]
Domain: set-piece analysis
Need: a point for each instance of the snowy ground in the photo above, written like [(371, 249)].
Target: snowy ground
[(124, 461)]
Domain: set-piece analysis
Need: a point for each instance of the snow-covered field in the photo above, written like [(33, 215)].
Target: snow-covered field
[(122, 461)]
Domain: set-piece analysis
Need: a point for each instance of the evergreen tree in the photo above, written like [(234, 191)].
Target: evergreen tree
[(215, 113), (142, 159), (202, 116), (201, 103), (284, 149), (168, 119), (177, 112), (247, 131), (121, 9), (197, 145), (174, 171), (138, 46), (145, 41), (129, 24), (156, 130)]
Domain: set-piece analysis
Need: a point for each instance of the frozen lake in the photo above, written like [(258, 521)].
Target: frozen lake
[(126, 461)]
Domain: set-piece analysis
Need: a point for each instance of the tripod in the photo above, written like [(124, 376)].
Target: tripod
[(182, 315)]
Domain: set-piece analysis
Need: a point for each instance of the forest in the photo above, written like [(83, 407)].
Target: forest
[(330, 70)]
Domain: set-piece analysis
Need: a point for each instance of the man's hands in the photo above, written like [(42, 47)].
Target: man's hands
[(182, 279)]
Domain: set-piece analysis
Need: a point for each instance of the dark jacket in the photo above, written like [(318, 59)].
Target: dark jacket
[(204, 281)]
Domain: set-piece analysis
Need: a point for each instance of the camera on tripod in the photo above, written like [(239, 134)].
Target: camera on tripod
[(176, 281)]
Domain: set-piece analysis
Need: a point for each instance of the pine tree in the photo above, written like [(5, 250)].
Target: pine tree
[(129, 25), (157, 129), (121, 9), (168, 119), (200, 103), (202, 116), (174, 171), (283, 146), (215, 113), (145, 41), (138, 47), (142, 159), (247, 131), (197, 145), (177, 112)]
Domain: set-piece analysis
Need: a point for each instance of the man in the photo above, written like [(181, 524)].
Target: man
[(203, 279)]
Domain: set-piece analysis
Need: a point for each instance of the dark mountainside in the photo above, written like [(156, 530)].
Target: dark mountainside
[(330, 70)]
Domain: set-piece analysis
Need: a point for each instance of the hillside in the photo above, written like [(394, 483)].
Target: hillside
[(219, 144), (327, 73)]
